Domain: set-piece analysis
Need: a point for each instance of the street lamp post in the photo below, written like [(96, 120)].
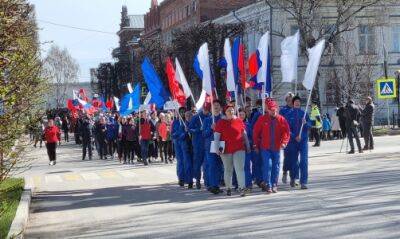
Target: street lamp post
[(398, 97)]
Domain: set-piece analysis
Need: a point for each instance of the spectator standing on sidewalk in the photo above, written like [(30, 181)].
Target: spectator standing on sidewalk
[(367, 122), (353, 114), (65, 128), (52, 137)]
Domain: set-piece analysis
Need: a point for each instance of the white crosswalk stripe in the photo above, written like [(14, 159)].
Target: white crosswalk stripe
[(53, 179), (127, 174), (89, 176)]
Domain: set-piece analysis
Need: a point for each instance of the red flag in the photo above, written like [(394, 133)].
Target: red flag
[(110, 104), (253, 64), (242, 67), (176, 91)]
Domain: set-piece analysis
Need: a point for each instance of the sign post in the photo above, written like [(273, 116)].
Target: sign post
[(386, 89)]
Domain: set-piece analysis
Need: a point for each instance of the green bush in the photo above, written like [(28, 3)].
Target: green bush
[(10, 194)]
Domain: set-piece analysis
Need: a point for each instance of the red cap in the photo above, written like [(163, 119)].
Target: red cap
[(271, 104)]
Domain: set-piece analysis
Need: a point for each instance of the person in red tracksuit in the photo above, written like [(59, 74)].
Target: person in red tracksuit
[(52, 136), (271, 134), (145, 136)]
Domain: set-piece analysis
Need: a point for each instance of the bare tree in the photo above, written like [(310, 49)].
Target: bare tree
[(352, 79), (316, 23), (62, 70)]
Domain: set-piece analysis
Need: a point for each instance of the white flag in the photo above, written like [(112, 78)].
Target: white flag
[(147, 100), (201, 100), (289, 57), (74, 95), (314, 56), (263, 50), (230, 76), (204, 62), (181, 78), (116, 103), (129, 88)]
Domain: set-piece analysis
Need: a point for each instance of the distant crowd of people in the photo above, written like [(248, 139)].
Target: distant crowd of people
[(231, 146)]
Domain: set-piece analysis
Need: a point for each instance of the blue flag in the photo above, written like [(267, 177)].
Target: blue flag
[(196, 66), (130, 102), (159, 94)]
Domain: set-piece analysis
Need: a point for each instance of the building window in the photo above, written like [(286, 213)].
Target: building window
[(366, 39), (396, 38), (187, 11)]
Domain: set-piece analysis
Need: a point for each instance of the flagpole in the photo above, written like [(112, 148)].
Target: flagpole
[(263, 97), (305, 112)]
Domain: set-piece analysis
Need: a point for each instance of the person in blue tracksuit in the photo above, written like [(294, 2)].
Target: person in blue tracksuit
[(256, 166), (175, 132), (183, 142), (298, 146), (283, 111), (196, 130), (213, 161)]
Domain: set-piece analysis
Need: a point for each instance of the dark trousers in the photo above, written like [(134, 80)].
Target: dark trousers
[(66, 136), (352, 132), (315, 133), (144, 148), (102, 148), (51, 151), (130, 149), (163, 146), (153, 149), (111, 146), (368, 137), (86, 148)]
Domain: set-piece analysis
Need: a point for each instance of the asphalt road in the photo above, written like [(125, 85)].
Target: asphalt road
[(349, 196)]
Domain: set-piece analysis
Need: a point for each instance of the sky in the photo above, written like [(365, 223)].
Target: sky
[(88, 48)]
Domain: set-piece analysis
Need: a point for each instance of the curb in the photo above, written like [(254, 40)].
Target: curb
[(22, 215)]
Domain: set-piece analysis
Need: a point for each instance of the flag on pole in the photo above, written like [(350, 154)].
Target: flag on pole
[(116, 103), (147, 99), (314, 55), (158, 93), (129, 86), (176, 91), (289, 57), (181, 78), (204, 66), (242, 67), (130, 102), (263, 48), (230, 75), (202, 100)]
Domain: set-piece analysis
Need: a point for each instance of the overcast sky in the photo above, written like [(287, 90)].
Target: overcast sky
[(88, 48)]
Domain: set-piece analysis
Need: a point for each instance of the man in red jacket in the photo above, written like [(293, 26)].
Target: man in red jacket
[(145, 136), (271, 133), (52, 137)]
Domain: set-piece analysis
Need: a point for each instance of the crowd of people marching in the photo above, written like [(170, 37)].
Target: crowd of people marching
[(228, 145)]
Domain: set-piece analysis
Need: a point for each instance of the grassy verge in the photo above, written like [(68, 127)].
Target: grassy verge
[(10, 194)]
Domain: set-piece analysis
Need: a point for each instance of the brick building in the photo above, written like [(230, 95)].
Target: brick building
[(152, 26), (180, 14)]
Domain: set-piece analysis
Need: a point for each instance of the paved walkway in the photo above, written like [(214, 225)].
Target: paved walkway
[(349, 197)]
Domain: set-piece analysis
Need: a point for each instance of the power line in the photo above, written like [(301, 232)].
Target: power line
[(76, 28)]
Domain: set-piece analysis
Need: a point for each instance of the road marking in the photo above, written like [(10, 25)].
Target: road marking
[(127, 174), (108, 175), (53, 179), (72, 177), (37, 181), (90, 176)]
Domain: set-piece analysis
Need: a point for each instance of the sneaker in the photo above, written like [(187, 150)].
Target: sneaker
[(275, 189), (228, 192), (243, 192), (268, 190), (284, 178), (263, 187), (304, 186), (51, 163), (190, 186), (181, 184), (351, 152)]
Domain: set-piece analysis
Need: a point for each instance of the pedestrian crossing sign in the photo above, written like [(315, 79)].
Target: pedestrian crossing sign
[(386, 88)]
